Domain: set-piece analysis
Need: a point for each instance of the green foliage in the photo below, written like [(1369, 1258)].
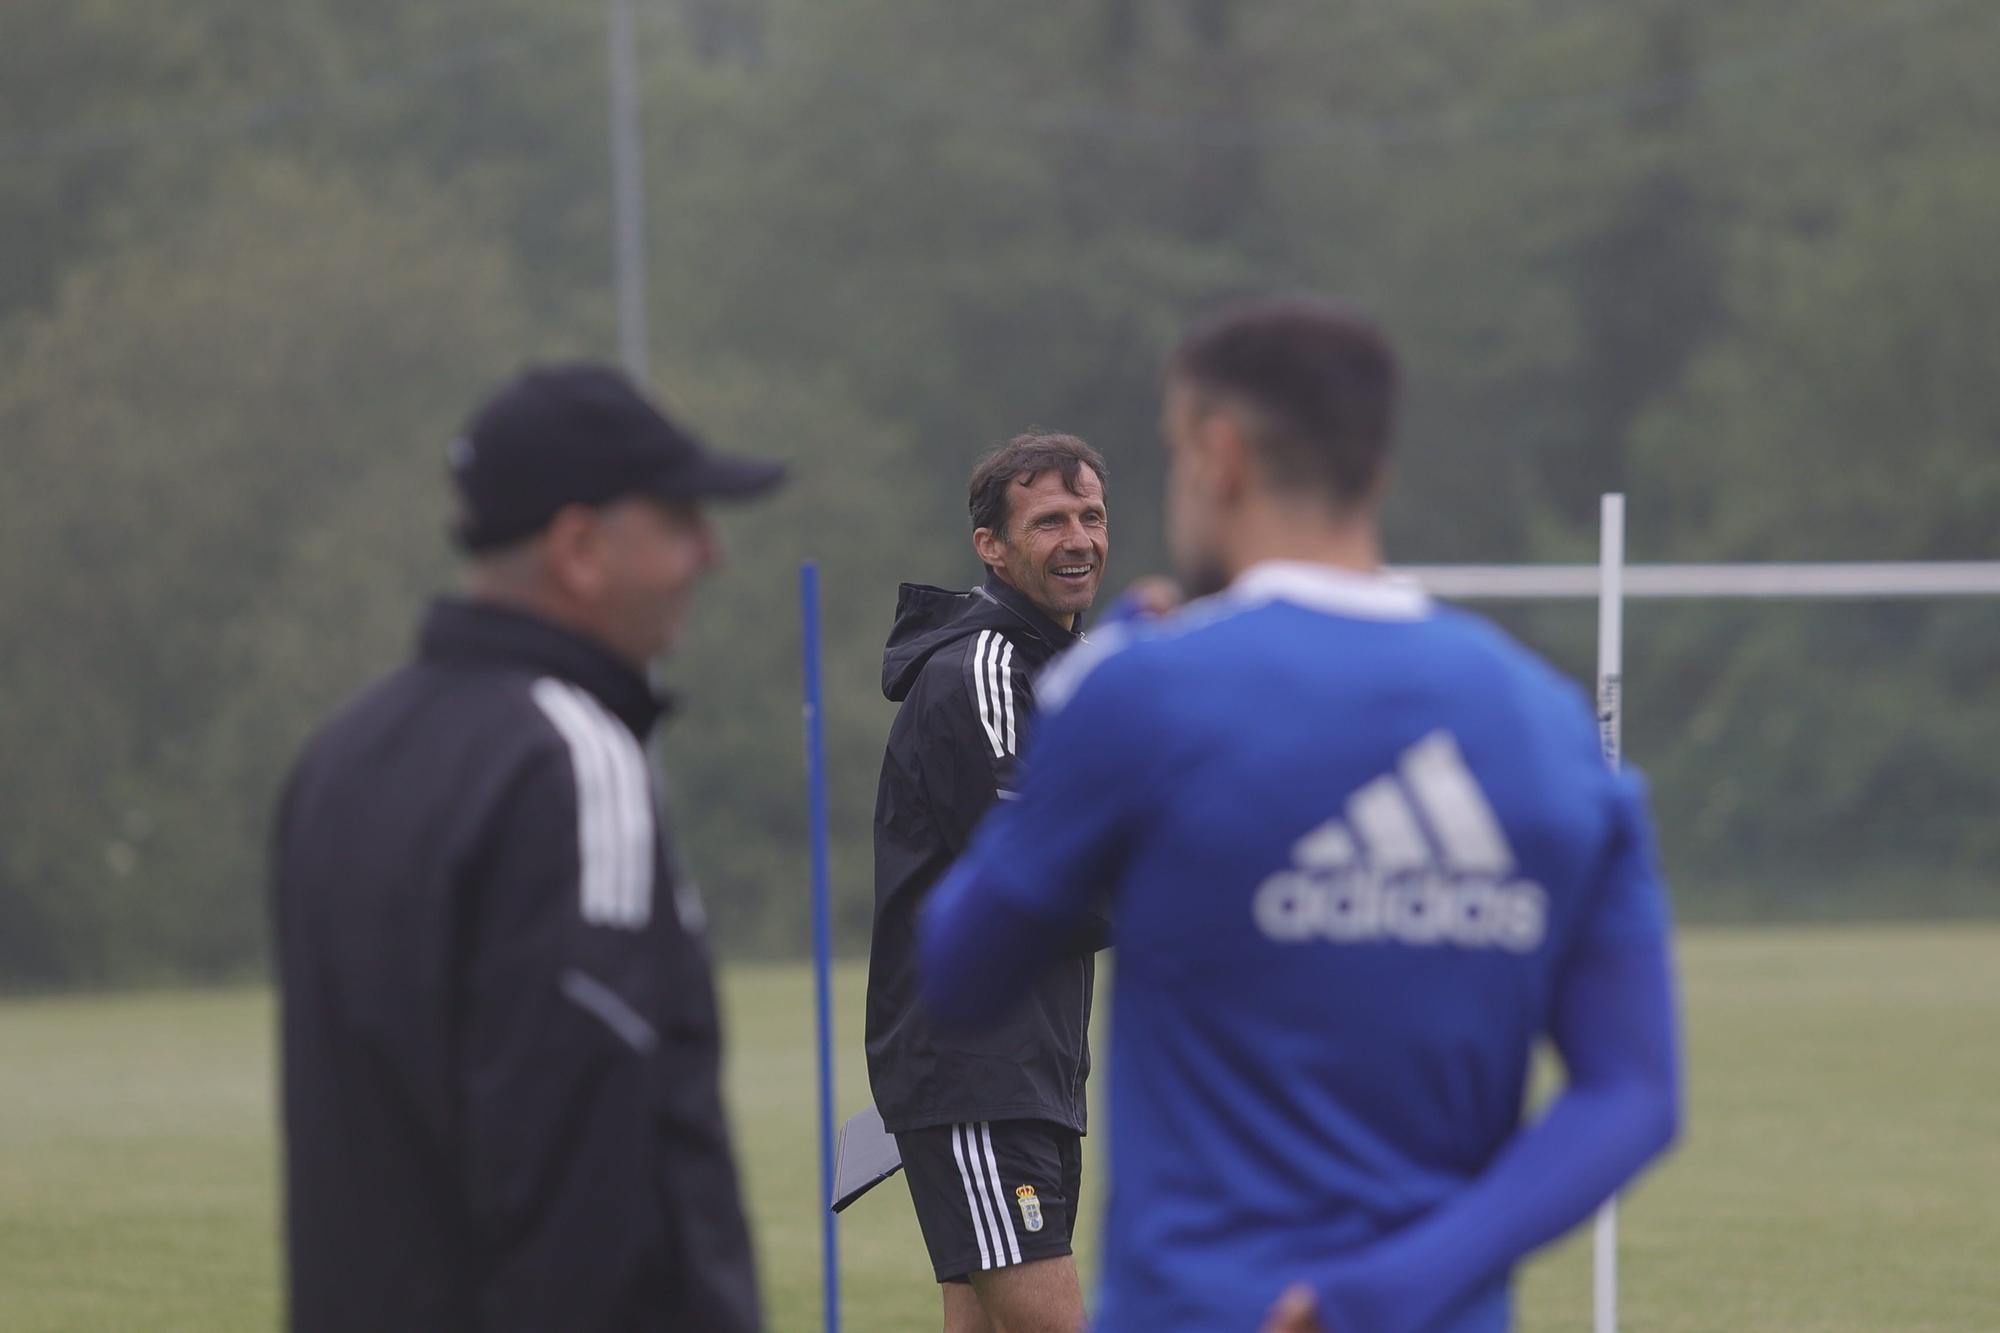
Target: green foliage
[(256, 261), (1854, 406), (224, 448), (734, 753)]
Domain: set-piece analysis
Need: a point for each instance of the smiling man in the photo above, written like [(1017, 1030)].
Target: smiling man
[(1362, 854), (989, 1124)]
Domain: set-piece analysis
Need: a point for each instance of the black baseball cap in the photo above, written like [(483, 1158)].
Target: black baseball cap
[(580, 433)]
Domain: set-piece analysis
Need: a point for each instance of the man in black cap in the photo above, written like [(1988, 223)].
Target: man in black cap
[(500, 1046)]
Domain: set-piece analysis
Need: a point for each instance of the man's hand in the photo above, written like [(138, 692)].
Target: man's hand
[(1144, 599), (1154, 595), (1297, 1311)]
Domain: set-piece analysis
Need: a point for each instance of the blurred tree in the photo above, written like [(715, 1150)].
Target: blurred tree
[(224, 451), (1853, 412), (734, 752), (255, 260)]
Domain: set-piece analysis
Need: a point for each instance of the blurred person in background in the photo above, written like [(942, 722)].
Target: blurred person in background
[(500, 1044), (1362, 853), (989, 1124)]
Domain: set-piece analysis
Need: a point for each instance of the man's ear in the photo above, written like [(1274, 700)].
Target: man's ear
[(1230, 456), (989, 546), (1378, 487), (573, 547)]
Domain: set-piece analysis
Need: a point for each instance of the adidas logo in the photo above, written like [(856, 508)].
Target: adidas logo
[(1418, 858)]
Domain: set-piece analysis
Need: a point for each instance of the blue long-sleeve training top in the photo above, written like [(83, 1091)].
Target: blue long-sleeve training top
[(1360, 854)]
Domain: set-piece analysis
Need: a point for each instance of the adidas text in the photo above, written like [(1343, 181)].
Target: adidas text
[(1354, 907), (1416, 857)]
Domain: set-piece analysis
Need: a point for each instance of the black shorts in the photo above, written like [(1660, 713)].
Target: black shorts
[(993, 1193)]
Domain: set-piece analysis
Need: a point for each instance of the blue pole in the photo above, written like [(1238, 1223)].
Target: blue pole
[(822, 914)]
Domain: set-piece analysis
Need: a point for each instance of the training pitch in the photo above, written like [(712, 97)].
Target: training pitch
[(1841, 1169)]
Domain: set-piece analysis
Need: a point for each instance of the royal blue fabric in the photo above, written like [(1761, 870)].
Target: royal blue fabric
[(1339, 1104)]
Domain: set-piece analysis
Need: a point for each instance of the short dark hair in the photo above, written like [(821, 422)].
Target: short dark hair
[(1022, 459), (1318, 378)]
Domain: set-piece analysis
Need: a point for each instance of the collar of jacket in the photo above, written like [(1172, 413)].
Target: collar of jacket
[(459, 630), (1010, 597)]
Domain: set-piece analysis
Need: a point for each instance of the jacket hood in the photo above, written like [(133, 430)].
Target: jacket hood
[(928, 619)]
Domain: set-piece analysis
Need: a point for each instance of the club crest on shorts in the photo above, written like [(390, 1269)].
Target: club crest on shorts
[(1031, 1207)]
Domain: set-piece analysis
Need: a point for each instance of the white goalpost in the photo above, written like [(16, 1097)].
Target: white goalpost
[(1611, 581), (1610, 733)]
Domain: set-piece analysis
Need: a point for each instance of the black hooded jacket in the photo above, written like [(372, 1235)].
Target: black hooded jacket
[(961, 665), (501, 1098)]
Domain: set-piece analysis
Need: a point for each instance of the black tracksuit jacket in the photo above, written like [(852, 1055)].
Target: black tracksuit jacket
[(499, 1029), (961, 665)]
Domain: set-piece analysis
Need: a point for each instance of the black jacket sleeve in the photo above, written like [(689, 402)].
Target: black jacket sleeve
[(976, 708), (586, 1075), (974, 730)]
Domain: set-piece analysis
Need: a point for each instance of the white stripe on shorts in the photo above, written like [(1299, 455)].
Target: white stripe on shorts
[(973, 1199), (999, 1195)]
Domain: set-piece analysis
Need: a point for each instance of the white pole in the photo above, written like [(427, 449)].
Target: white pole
[(1610, 624), (1909, 578), (1610, 713), (628, 194)]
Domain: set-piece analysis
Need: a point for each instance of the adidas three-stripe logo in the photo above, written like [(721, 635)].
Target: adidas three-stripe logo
[(1419, 858), (614, 807), (979, 1172), (993, 689)]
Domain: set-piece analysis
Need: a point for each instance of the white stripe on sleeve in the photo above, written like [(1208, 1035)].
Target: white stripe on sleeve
[(596, 846), (615, 827), (1007, 687), (635, 824), (616, 821), (979, 691), (609, 1008)]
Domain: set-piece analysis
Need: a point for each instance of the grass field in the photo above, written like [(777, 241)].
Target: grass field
[(1841, 1170)]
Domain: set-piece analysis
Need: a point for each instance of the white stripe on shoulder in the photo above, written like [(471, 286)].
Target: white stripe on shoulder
[(995, 644), (1376, 595), (595, 844), (636, 822), (615, 831), (631, 819), (973, 1196), (1007, 690), (618, 812), (981, 694), (1062, 678)]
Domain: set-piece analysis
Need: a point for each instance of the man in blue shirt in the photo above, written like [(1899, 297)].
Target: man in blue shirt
[(1362, 853)]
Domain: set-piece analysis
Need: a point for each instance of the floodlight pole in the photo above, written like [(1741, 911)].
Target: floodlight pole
[(1610, 719), (628, 193)]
